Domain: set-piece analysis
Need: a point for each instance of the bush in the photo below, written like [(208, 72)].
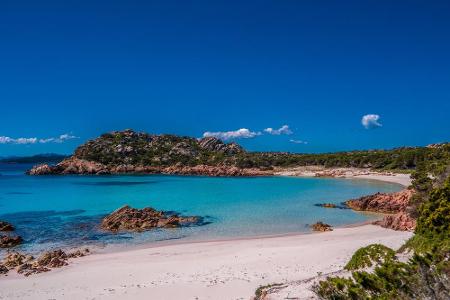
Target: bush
[(368, 256)]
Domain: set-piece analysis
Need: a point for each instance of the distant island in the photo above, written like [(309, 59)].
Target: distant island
[(48, 158), (127, 151)]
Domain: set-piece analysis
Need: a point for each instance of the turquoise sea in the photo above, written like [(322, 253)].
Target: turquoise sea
[(65, 211)]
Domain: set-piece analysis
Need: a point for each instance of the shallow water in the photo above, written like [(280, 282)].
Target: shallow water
[(64, 211)]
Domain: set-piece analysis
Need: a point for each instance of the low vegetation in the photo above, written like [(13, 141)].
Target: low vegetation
[(369, 256), (427, 274), (129, 147)]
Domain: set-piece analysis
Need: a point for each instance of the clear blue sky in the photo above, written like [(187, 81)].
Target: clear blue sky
[(186, 67)]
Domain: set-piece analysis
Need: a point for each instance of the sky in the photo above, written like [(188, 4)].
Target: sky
[(299, 76)]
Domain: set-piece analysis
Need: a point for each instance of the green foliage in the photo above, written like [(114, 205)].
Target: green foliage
[(434, 216), (427, 274), (338, 288), (129, 147), (368, 256)]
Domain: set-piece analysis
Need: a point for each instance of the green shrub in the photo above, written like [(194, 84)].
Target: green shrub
[(368, 256)]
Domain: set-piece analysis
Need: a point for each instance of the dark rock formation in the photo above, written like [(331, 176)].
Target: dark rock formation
[(27, 265), (215, 145), (320, 226), (332, 205), (14, 259), (3, 269), (5, 226), (127, 218), (7, 241)]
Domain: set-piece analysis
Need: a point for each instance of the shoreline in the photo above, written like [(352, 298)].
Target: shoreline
[(223, 268), (402, 179), (207, 270), (117, 248)]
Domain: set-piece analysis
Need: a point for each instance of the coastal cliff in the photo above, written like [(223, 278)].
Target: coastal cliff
[(394, 204)]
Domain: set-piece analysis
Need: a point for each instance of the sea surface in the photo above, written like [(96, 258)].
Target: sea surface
[(65, 211)]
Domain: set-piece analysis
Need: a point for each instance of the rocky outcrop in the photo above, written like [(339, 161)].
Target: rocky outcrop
[(128, 151), (382, 202), (70, 166), (5, 226), (394, 204), (77, 166), (28, 265), (332, 205), (7, 241), (14, 259), (3, 269), (401, 221), (127, 218), (322, 227), (216, 145)]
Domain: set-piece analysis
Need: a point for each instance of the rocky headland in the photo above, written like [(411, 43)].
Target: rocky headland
[(122, 152), (394, 204)]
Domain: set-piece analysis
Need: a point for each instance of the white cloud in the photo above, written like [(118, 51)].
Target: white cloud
[(33, 140), (242, 133), (370, 121), (282, 130), (298, 141)]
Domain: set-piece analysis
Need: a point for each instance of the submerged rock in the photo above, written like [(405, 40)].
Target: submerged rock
[(320, 226), (127, 218), (326, 205), (7, 241), (5, 226), (332, 205)]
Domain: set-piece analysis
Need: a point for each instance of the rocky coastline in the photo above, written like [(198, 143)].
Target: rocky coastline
[(395, 205), (85, 167)]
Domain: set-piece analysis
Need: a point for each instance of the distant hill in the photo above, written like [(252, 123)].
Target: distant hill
[(46, 158), (137, 152)]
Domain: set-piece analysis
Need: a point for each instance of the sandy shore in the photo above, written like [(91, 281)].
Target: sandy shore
[(318, 171), (206, 270)]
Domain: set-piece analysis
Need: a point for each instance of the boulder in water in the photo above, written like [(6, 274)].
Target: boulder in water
[(127, 218), (320, 226)]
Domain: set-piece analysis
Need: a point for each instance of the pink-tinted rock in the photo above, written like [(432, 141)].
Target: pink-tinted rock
[(401, 221), (127, 218), (382, 202)]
